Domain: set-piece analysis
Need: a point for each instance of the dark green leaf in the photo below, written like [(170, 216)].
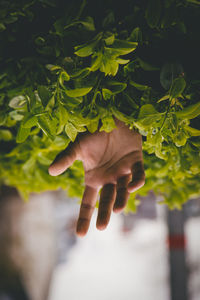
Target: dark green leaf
[(177, 88), (153, 12), (78, 92), (44, 94), (22, 134), (71, 131)]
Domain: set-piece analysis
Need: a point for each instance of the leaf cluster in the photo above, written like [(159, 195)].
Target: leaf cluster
[(66, 69)]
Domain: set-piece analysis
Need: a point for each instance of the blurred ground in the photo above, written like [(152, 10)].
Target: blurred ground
[(129, 260)]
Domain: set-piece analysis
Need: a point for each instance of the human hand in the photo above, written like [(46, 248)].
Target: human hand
[(112, 161)]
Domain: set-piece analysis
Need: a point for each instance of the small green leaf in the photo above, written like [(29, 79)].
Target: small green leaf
[(48, 125), (136, 35), (5, 135), (78, 92), (169, 72), (22, 134), (146, 111), (29, 121), (88, 23), (63, 115), (108, 124), (64, 76), (71, 131), (15, 115), (120, 47), (147, 66), (166, 97), (122, 61), (192, 131), (2, 27), (189, 112), (109, 19), (138, 86), (44, 95), (82, 73), (109, 40), (106, 94), (116, 87), (93, 125), (177, 88), (2, 118), (153, 12), (180, 139), (40, 41), (18, 102), (53, 67)]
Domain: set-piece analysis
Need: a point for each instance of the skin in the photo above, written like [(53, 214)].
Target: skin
[(113, 163)]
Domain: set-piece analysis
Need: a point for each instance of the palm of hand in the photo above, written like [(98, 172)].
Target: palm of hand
[(112, 161)]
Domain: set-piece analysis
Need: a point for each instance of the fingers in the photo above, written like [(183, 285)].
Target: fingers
[(122, 193), (138, 177), (64, 160), (86, 210), (107, 198)]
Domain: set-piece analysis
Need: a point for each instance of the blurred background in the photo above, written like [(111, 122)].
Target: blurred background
[(154, 254)]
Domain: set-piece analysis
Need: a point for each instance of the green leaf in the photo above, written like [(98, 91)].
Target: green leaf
[(136, 35), (40, 41), (177, 88), (22, 134), (29, 121), (29, 165), (190, 112), (2, 118), (93, 125), (138, 86), (15, 115), (44, 95), (108, 124), (192, 131), (116, 87), (109, 40), (2, 27), (64, 76), (78, 92), (194, 2), (53, 67), (131, 101), (180, 139), (84, 51), (18, 102), (120, 47), (153, 13), (147, 66), (71, 131), (109, 19), (48, 125), (88, 23), (106, 94), (147, 110), (166, 97), (168, 73), (63, 115), (82, 73), (5, 135)]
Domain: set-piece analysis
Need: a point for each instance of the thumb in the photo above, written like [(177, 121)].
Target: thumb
[(64, 160)]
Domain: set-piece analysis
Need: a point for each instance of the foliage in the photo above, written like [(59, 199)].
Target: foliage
[(68, 67)]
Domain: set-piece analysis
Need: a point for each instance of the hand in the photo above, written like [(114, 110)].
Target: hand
[(112, 161)]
